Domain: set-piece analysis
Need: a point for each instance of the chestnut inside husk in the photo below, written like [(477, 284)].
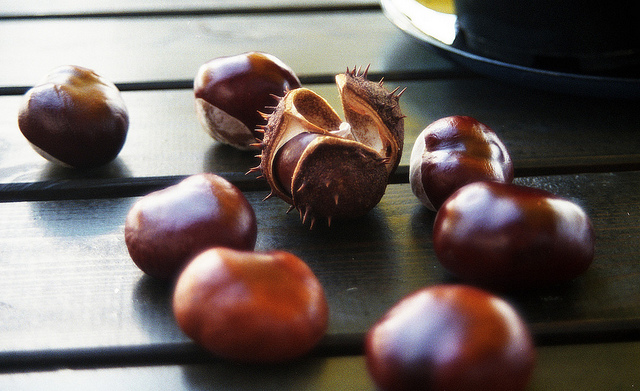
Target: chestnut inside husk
[(328, 168)]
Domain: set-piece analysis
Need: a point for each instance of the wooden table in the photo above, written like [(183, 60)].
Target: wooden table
[(74, 309)]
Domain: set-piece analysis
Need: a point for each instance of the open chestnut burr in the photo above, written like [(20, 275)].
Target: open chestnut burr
[(325, 167)]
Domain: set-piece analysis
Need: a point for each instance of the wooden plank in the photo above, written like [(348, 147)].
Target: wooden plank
[(339, 373), (173, 48), (544, 133), (34, 8), (73, 285), (588, 367), (611, 366)]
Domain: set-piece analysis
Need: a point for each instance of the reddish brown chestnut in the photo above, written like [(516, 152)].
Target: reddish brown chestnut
[(251, 306), (512, 237), (75, 117), (233, 92), (450, 337), (328, 168), (452, 152), (166, 228)]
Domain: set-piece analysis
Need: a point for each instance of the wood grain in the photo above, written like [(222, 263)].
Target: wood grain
[(173, 48)]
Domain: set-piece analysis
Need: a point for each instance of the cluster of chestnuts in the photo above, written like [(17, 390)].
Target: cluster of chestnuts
[(252, 306), (487, 230), (264, 307), (325, 167), (241, 304), (250, 101)]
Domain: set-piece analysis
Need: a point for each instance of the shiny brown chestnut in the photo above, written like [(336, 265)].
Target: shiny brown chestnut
[(450, 337), (75, 117), (246, 306), (165, 229), (452, 152), (507, 236), (232, 94), (328, 168)]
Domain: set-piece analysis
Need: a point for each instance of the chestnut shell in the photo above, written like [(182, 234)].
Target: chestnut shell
[(344, 172)]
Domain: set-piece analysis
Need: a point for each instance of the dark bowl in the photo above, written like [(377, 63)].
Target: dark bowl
[(567, 36)]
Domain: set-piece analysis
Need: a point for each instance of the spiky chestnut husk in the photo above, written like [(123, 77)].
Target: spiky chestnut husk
[(342, 173), (365, 104)]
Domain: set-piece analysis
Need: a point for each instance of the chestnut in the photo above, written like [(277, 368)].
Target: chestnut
[(166, 228), (450, 337), (452, 152), (326, 168), (74, 117), (507, 236), (234, 93), (244, 306)]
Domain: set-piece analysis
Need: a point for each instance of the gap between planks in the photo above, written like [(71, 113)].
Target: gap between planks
[(96, 188), (181, 353), (305, 79), (207, 11)]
